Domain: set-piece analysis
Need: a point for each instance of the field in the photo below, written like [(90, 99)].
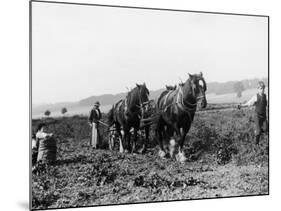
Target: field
[(222, 161)]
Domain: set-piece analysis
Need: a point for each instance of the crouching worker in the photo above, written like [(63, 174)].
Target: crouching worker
[(47, 145), (34, 147), (260, 102), (94, 118)]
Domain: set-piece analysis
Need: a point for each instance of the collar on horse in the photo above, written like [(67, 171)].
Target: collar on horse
[(185, 106)]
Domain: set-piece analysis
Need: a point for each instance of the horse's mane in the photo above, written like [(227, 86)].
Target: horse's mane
[(130, 95), (171, 87), (133, 94)]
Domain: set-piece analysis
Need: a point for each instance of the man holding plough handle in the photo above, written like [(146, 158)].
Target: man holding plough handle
[(94, 118)]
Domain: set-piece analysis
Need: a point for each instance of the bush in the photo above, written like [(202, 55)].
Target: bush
[(63, 110), (47, 113)]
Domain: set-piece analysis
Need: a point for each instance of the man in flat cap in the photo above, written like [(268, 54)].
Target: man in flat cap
[(94, 118), (260, 102)]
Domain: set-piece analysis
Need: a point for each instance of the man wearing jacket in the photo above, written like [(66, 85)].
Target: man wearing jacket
[(260, 102), (94, 118)]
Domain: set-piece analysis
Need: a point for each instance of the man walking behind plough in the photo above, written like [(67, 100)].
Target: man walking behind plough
[(260, 102), (94, 118)]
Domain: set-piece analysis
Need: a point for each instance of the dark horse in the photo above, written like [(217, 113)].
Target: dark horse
[(127, 113), (175, 112)]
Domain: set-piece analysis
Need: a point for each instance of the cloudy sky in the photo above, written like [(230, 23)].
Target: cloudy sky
[(79, 51)]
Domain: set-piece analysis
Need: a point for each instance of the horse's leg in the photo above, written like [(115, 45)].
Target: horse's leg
[(110, 140), (127, 135), (171, 141), (146, 139), (120, 138), (121, 148), (165, 136), (135, 136), (181, 156), (180, 133), (159, 131)]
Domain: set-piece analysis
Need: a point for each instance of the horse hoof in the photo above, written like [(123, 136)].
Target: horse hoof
[(180, 157), (142, 150), (172, 147), (161, 154), (171, 153), (173, 142)]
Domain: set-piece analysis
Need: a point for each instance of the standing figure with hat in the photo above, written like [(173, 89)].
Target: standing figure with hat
[(260, 102), (94, 118)]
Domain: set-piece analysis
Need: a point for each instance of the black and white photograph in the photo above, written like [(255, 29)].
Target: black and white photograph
[(135, 105)]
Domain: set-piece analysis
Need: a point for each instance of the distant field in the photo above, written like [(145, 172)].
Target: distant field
[(231, 97), (211, 98), (78, 110)]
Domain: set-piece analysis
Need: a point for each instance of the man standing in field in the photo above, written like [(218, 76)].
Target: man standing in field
[(260, 102), (94, 118)]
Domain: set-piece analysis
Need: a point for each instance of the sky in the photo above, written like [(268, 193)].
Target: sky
[(80, 51)]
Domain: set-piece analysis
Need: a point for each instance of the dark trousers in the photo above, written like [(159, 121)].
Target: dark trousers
[(260, 126), (34, 157)]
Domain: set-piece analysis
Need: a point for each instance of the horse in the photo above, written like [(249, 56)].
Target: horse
[(175, 110), (126, 114)]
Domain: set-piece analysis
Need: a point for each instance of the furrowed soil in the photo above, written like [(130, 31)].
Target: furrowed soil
[(222, 161)]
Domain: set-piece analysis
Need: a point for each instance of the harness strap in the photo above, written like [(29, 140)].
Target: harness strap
[(126, 105), (165, 100), (181, 104)]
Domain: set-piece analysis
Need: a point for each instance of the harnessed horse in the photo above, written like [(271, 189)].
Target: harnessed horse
[(175, 112), (127, 113)]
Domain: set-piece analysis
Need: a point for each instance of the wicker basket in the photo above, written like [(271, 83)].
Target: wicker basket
[(47, 150)]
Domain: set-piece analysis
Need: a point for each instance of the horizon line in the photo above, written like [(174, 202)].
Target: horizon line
[(97, 95)]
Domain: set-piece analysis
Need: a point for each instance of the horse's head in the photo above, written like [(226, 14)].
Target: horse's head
[(143, 93), (198, 90), (202, 97)]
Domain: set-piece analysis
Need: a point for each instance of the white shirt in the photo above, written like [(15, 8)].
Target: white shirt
[(34, 144), (42, 135), (252, 101)]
